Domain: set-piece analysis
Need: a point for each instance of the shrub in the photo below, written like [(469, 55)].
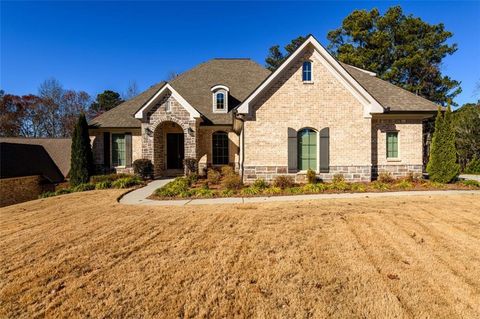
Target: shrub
[(251, 190), (192, 178), (143, 168), (380, 185), (311, 188), (227, 170), (63, 191), (338, 178), (473, 167), (126, 182), (84, 187), (191, 166), (311, 176), (283, 181), (413, 177), (442, 165), (213, 177), (174, 188), (294, 190), (260, 183), (358, 187), (227, 193), (404, 184), (232, 182), (203, 192), (107, 178), (81, 163), (46, 194), (103, 185), (272, 191), (385, 177), (340, 185)]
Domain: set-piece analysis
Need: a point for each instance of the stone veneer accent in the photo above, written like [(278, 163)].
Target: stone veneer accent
[(397, 171), (153, 133)]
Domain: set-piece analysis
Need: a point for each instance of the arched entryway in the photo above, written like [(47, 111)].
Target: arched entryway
[(168, 149)]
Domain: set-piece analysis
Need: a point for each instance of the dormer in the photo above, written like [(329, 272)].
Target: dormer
[(220, 98)]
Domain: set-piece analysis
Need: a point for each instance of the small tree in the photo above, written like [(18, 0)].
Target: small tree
[(81, 167), (442, 166)]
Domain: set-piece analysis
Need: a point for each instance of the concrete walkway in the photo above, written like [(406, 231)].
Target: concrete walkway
[(470, 177), (139, 196)]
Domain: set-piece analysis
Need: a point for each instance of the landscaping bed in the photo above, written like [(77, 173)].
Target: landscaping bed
[(225, 183)]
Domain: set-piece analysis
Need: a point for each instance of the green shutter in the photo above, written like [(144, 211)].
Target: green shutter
[(292, 150), (324, 150), (392, 144), (118, 149), (128, 149)]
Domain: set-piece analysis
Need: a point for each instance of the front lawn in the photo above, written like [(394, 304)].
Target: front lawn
[(225, 183)]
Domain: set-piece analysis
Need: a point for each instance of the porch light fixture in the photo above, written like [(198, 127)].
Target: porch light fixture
[(190, 131), (148, 131)]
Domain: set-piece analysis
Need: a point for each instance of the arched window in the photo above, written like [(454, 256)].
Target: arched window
[(307, 71), (220, 101), (220, 148), (307, 149)]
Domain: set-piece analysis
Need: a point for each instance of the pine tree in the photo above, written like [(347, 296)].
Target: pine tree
[(442, 166), (81, 159)]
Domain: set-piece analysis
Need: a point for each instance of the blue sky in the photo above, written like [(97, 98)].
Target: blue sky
[(93, 46)]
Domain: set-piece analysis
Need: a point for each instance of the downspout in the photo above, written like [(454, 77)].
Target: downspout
[(240, 118)]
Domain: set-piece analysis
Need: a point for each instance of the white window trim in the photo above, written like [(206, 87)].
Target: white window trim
[(311, 73), (392, 159), (216, 90)]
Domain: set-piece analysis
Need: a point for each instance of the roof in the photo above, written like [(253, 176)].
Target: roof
[(241, 76), (390, 96), (27, 160), (123, 114), (59, 149)]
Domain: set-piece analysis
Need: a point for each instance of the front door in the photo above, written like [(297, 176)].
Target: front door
[(175, 150)]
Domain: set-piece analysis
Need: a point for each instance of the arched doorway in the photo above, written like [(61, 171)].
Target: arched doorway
[(168, 149)]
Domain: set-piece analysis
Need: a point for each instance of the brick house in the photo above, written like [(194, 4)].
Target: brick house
[(313, 112)]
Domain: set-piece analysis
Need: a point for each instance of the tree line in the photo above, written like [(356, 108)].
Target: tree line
[(53, 111)]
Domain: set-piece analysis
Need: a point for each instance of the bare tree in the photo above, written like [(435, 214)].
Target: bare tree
[(132, 91), (51, 92), (171, 75)]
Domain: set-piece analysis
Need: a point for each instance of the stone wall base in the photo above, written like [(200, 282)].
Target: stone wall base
[(362, 173)]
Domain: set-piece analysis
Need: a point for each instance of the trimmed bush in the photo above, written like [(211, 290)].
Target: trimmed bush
[(385, 177), (81, 163), (473, 167), (143, 168), (213, 177), (232, 182), (127, 182), (311, 176), (103, 185), (191, 165), (260, 183), (84, 187), (283, 181)]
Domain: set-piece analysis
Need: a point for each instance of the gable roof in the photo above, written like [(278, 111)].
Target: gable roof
[(390, 96), (59, 149), (241, 76), (123, 115)]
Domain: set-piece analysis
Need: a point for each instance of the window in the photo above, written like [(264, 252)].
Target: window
[(168, 106), (307, 149), (220, 148), (307, 71), (118, 150), (392, 144), (220, 101)]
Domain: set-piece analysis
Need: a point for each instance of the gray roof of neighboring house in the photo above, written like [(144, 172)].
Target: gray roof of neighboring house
[(58, 149), (241, 76), (389, 95)]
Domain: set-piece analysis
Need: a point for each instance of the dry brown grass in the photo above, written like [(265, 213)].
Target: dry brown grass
[(83, 254)]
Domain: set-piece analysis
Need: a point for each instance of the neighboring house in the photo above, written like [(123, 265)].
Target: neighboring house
[(313, 112), (31, 166)]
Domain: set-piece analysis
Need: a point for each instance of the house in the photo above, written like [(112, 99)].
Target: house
[(313, 112), (31, 166)]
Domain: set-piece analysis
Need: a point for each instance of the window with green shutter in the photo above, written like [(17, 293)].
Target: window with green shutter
[(392, 144), (118, 149), (307, 149)]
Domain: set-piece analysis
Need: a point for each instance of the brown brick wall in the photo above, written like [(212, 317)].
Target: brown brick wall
[(21, 189)]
